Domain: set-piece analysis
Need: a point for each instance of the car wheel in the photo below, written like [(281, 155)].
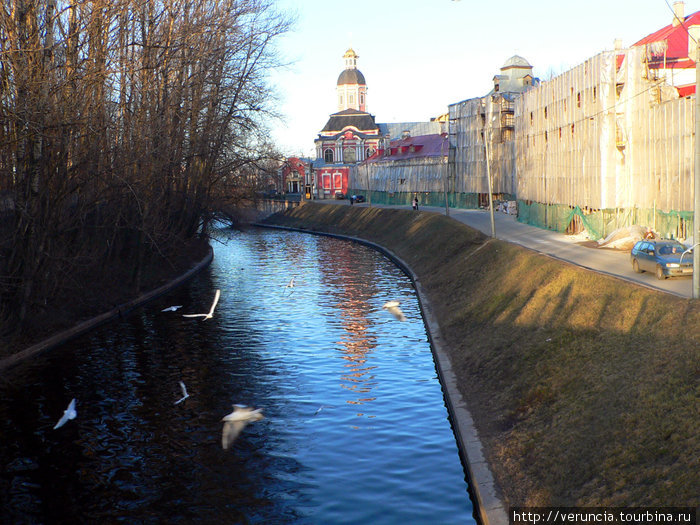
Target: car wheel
[(660, 275), (635, 266)]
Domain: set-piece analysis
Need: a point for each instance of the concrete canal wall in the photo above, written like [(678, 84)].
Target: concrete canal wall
[(109, 315)]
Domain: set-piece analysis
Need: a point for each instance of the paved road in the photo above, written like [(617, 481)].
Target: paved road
[(565, 247)]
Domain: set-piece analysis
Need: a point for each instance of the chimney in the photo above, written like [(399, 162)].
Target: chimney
[(678, 13)]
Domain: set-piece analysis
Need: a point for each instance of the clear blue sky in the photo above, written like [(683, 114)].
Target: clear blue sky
[(419, 56)]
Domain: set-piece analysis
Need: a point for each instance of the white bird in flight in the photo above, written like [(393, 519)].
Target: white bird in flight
[(290, 286), (68, 413), (211, 311), (393, 308), (321, 408), (171, 308), (185, 395), (236, 421)]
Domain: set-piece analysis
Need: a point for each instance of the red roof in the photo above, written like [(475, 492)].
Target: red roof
[(415, 147), (668, 47), (685, 91)]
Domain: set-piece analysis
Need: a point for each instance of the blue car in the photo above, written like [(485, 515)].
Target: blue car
[(665, 258)]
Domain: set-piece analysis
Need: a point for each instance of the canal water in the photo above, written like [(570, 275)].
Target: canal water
[(355, 427)]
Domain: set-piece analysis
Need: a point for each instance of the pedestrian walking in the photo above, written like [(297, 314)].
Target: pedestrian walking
[(415, 203)]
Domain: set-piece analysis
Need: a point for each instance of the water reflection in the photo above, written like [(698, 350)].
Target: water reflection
[(346, 279), (351, 402)]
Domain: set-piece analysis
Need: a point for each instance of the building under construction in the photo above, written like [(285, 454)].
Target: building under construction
[(607, 144)]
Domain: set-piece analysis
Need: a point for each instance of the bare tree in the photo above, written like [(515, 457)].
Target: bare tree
[(120, 122)]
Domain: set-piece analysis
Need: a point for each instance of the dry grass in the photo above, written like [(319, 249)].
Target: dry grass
[(585, 389)]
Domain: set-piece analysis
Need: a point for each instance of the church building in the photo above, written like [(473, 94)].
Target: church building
[(350, 135)]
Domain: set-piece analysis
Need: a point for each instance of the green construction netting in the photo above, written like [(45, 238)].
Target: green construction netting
[(455, 200), (599, 224)]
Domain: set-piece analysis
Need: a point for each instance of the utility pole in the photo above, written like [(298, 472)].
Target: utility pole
[(444, 175), (487, 138), (696, 189), (488, 176)]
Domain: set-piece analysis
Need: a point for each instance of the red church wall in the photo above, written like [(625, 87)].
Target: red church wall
[(332, 180)]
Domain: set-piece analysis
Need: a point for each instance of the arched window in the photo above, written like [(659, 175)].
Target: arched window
[(328, 156), (349, 156)]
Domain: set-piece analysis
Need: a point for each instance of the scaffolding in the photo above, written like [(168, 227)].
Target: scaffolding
[(472, 123), (604, 145), (608, 143), (396, 182)]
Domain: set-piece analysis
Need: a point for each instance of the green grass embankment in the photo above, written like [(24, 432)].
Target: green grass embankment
[(585, 389)]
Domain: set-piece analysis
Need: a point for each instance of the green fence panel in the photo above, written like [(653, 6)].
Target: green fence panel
[(600, 223)]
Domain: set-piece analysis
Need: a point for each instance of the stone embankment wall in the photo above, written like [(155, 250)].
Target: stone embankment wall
[(263, 208), (109, 315)]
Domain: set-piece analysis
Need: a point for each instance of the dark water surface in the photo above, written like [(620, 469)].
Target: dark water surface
[(355, 427)]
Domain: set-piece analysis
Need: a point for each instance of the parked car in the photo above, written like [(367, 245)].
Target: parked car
[(666, 258), (358, 198), (339, 195)]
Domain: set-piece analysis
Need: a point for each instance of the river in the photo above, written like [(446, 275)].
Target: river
[(355, 427)]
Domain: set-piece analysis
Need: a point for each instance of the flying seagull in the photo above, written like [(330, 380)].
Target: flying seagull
[(236, 421), (321, 408), (171, 308), (393, 308), (68, 413), (185, 395), (290, 286), (211, 311)]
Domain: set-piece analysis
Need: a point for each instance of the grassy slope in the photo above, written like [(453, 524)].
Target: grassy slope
[(585, 389)]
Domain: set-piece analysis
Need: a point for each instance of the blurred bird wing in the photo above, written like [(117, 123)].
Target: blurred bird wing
[(391, 304), (230, 432), (211, 310), (243, 413), (256, 415), (396, 312), (61, 422), (216, 300), (68, 413), (184, 389)]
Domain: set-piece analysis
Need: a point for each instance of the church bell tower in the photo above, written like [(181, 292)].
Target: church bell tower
[(351, 87)]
